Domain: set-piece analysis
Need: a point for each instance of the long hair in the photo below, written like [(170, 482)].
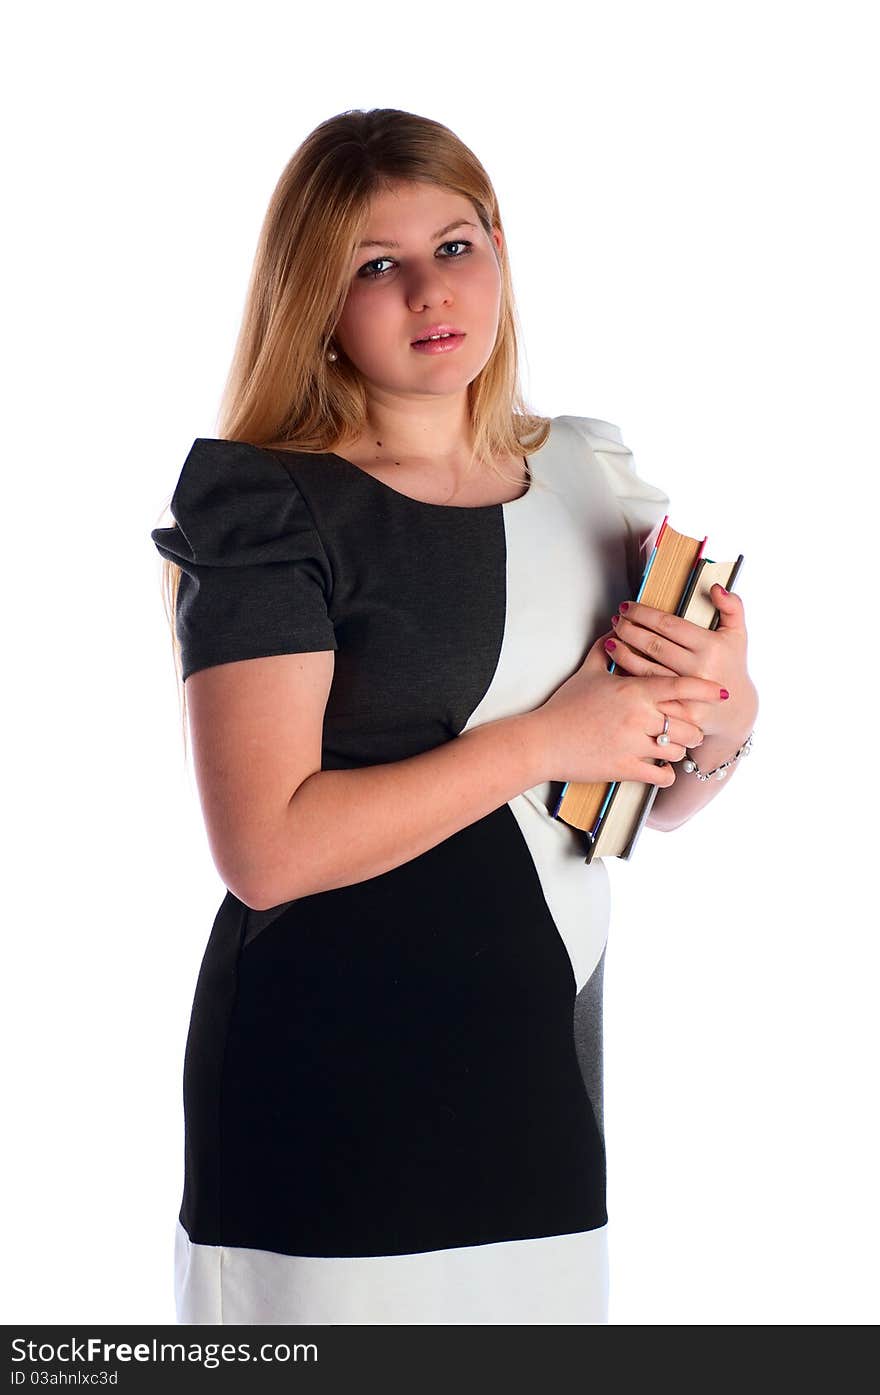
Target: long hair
[(282, 392)]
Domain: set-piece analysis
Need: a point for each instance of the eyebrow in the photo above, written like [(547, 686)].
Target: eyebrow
[(376, 242)]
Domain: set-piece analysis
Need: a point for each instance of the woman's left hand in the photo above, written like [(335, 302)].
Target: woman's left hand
[(649, 641)]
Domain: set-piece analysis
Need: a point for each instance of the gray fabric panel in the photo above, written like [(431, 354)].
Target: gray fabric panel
[(588, 1038)]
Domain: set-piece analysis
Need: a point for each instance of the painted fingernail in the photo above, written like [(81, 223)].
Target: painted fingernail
[(614, 619), (624, 605), (725, 693), (609, 644)]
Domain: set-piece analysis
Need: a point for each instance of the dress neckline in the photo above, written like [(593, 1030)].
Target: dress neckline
[(457, 508)]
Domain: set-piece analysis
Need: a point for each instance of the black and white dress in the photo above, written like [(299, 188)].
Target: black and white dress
[(393, 1089)]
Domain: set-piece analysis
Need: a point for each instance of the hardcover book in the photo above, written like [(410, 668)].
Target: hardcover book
[(677, 578)]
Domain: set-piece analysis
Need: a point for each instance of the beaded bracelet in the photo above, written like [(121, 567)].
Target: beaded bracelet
[(720, 770)]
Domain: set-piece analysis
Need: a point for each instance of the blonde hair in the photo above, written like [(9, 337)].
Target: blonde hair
[(282, 392)]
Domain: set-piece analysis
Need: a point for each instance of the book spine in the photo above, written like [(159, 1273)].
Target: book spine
[(691, 586), (653, 791), (728, 586), (612, 789)]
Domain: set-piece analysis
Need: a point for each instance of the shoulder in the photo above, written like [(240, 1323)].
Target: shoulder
[(221, 472), (235, 503), (598, 434), (607, 450)]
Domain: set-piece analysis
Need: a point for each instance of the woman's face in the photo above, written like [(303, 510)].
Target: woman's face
[(444, 270)]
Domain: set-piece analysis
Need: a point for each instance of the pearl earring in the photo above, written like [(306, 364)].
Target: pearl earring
[(332, 356)]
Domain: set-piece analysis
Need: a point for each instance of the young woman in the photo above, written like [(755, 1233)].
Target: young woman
[(390, 586)]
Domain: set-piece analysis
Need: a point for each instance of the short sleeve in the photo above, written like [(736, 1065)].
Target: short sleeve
[(255, 579), (643, 506)]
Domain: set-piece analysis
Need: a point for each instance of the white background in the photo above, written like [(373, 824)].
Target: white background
[(687, 191)]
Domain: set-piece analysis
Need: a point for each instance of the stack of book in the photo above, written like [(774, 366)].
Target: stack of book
[(677, 579)]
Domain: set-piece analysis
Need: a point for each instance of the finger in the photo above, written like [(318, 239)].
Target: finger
[(731, 613), (683, 732), (653, 774), (694, 712), (634, 663), (671, 627), (598, 654), (680, 725), (685, 688), (674, 751), (657, 648), (598, 659)]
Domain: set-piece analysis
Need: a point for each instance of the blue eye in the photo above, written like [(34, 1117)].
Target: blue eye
[(377, 275)]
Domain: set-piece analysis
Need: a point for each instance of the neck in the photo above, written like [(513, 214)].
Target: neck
[(433, 433)]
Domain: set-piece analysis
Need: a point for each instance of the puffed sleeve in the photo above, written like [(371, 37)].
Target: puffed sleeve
[(255, 579), (642, 505)]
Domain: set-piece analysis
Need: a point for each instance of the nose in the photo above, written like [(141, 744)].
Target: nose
[(426, 287)]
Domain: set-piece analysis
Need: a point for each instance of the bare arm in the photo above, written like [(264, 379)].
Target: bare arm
[(280, 827), (355, 824), (677, 803), (647, 640)]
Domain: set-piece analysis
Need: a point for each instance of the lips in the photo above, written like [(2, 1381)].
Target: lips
[(437, 329)]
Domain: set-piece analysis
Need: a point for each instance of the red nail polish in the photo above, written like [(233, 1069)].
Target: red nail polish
[(614, 619), (609, 644), (725, 693), (624, 605)]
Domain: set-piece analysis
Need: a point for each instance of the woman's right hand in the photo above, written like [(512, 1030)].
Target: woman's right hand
[(601, 727)]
